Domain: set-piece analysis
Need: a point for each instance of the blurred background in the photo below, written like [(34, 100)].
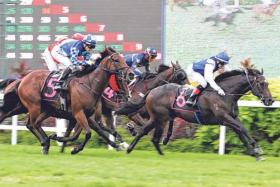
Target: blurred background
[(29, 26), (246, 28)]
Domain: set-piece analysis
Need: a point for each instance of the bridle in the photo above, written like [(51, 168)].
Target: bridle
[(251, 86)]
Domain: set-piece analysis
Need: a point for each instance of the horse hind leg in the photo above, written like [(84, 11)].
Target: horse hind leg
[(46, 140), (17, 110), (169, 132), (31, 125), (69, 129), (156, 138), (147, 128)]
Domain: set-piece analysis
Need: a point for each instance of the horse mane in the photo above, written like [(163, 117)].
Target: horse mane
[(162, 68), (106, 52), (229, 74), (245, 66)]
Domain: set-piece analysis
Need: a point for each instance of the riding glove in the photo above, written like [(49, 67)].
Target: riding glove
[(221, 92)]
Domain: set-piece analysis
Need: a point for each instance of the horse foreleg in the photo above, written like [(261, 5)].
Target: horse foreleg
[(109, 120), (249, 142), (65, 139), (169, 132), (101, 133), (83, 122)]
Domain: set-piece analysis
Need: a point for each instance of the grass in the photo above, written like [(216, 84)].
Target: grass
[(25, 166)]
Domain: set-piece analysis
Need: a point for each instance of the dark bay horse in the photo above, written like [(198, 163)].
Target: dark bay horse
[(11, 103), (83, 95), (174, 74), (214, 109), (165, 75)]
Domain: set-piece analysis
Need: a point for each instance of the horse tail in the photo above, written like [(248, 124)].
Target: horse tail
[(132, 107), (5, 83)]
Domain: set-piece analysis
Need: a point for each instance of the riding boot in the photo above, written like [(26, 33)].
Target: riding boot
[(60, 82), (195, 93)]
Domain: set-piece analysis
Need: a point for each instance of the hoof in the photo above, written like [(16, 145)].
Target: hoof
[(62, 148), (258, 150), (165, 141), (260, 158), (129, 149), (75, 150), (123, 146), (53, 136), (45, 151)]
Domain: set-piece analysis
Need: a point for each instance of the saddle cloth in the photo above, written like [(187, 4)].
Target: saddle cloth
[(111, 93), (182, 93), (49, 94)]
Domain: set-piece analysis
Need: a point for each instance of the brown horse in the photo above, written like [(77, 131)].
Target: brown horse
[(82, 96), (213, 109), (262, 9), (174, 74)]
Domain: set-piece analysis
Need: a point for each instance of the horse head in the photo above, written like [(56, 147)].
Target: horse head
[(179, 76), (114, 64), (257, 82)]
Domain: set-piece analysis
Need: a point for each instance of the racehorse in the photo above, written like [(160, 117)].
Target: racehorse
[(82, 96), (165, 75), (223, 17), (213, 109), (11, 103), (267, 10)]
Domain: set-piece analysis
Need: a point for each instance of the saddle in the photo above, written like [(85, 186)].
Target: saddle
[(182, 93)]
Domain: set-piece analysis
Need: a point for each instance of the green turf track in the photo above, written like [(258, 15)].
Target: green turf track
[(25, 166)]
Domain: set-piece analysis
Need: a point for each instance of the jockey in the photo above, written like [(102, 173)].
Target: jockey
[(50, 51), (202, 71), (69, 51), (141, 59)]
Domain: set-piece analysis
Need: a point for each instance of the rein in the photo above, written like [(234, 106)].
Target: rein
[(107, 70), (249, 86)]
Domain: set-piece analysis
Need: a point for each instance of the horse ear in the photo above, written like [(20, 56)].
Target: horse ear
[(262, 71), (177, 63)]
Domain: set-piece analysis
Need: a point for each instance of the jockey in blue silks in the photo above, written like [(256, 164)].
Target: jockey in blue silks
[(202, 71), (70, 52), (141, 59)]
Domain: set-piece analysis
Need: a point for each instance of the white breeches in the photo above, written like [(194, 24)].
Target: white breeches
[(61, 61), (60, 58), (52, 66), (196, 77)]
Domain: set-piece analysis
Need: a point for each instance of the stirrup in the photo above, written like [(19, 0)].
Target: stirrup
[(190, 103), (60, 87)]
